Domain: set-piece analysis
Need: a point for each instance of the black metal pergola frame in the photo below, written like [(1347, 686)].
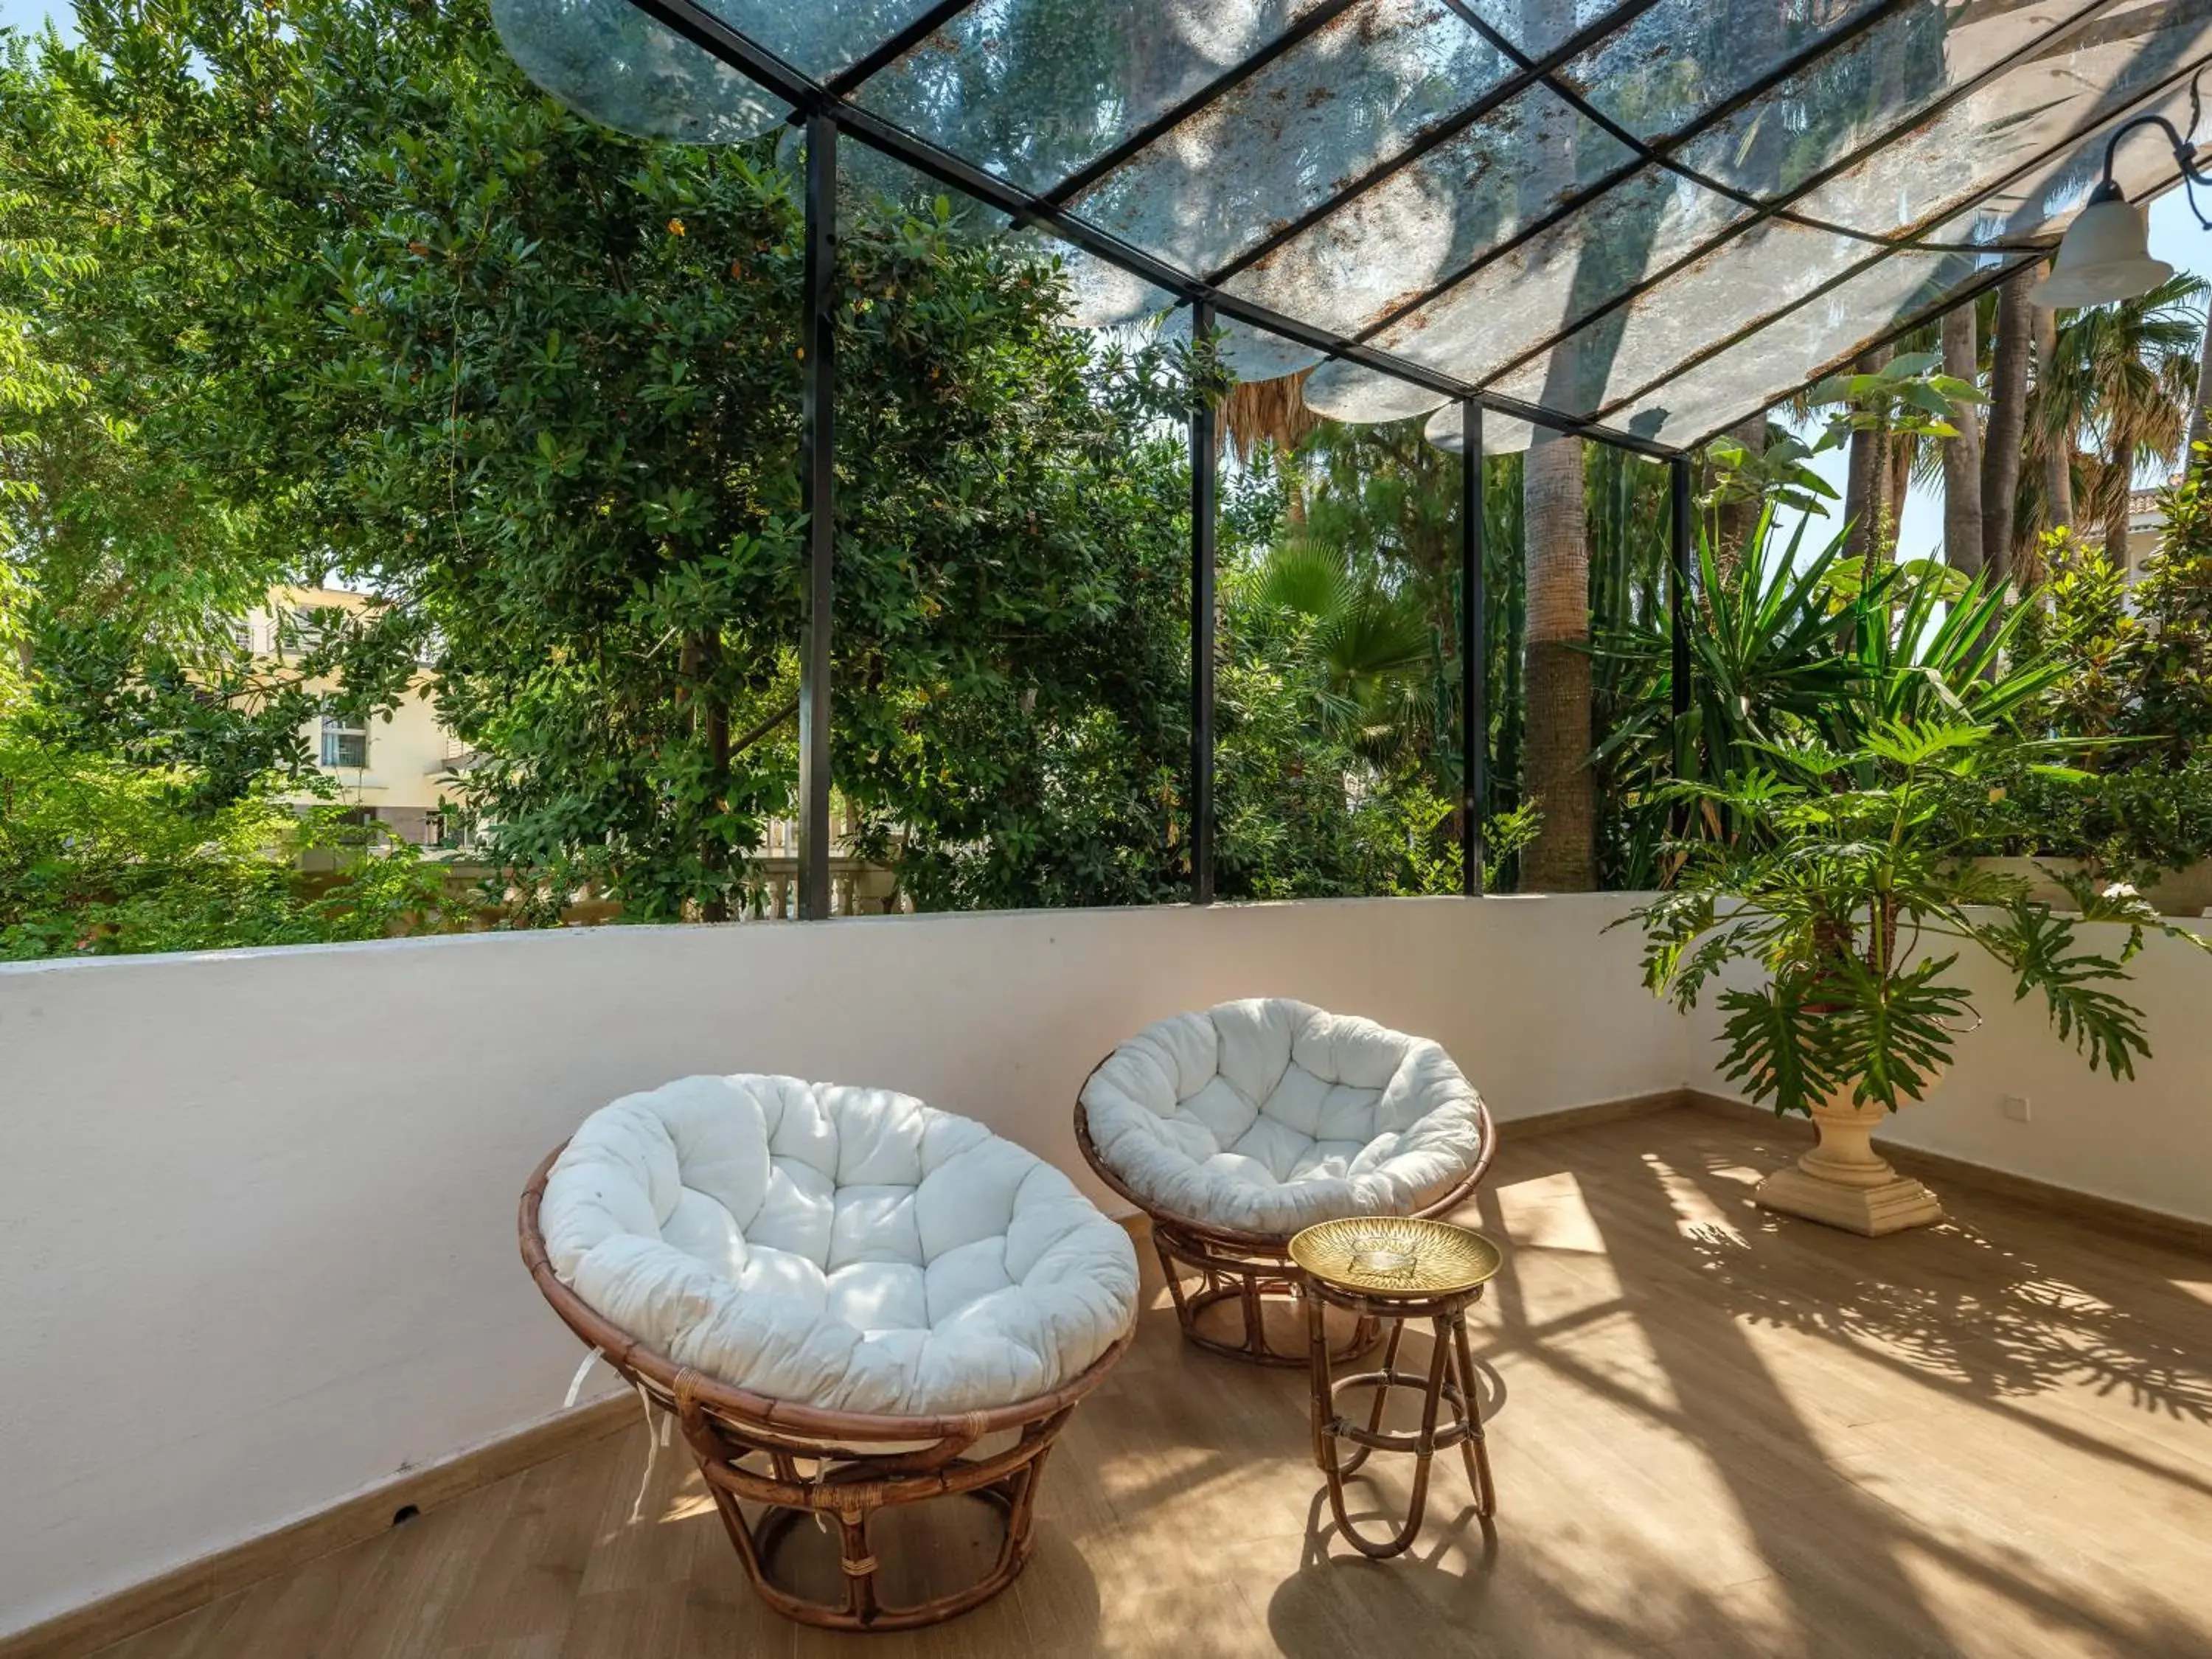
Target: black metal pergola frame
[(826, 112)]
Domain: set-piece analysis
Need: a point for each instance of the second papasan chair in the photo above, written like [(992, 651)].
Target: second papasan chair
[(1234, 1127)]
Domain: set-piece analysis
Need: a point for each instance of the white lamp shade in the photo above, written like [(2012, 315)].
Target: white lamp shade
[(2105, 257)]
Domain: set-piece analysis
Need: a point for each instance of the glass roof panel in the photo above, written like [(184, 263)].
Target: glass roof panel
[(2017, 116), (1769, 266), (1540, 27), (1561, 274), (818, 38), (611, 62), (1354, 93), (1501, 434), (2043, 201), (1661, 70), (1798, 345), (1036, 89), (1777, 263), (1099, 295), (1390, 244), (1352, 391), (1874, 84)]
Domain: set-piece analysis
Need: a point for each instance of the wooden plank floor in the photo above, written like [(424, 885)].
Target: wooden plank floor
[(1715, 1433)]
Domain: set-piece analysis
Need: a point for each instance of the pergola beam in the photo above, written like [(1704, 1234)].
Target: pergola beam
[(1204, 457), (817, 484), (1474, 655)]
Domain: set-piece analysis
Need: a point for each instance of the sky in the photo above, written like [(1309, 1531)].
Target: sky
[(2175, 237)]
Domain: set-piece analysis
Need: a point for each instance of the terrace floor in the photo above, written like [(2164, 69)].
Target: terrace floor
[(1714, 1432)]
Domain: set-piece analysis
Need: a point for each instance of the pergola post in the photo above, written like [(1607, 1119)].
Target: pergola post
[(1203, 495), (818, 487), (1678, 605), (1474, 655)]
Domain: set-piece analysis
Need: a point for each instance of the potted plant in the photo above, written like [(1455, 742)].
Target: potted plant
[(1841, 881)]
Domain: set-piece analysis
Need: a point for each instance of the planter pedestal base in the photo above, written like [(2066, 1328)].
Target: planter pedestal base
[(1844, 1182)]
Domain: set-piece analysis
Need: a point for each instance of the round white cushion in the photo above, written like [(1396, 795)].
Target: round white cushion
[(1269, 1115), (850, 1249)]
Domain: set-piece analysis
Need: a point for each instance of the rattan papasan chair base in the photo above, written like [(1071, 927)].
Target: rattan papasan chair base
[(1233, 1128), (799, 1462)]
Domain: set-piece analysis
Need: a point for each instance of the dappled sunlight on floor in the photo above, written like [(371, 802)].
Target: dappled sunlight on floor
[(1715, 1433)]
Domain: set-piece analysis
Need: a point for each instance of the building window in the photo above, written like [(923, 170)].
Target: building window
[(345, 744), (302, 630)]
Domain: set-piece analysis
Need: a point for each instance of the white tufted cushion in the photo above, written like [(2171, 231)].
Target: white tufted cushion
[(850, 1249), (1270, 1115)]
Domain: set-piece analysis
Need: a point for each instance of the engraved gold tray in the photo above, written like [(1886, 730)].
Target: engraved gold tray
[(1396, 1255)]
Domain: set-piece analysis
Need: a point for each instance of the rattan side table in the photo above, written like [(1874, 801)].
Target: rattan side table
[(1395, 1268)]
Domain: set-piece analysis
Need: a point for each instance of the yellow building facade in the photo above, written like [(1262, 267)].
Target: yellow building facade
[(397, 768)]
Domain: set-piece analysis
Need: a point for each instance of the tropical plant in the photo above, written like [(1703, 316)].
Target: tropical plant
[(1791, 646), (1842, 879)]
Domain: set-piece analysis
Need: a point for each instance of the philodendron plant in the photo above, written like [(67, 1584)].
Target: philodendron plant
[(1843, 881)]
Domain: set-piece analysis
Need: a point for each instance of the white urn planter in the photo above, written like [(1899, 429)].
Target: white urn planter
[(1844, 1182)]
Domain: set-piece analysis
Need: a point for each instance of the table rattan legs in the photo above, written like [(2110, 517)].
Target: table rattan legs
[(1450, 1378)]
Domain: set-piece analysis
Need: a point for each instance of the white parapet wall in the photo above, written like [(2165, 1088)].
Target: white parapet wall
[(258, 1206)]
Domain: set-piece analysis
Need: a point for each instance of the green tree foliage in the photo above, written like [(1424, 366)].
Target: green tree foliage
[(2133, 699), (539, 385)]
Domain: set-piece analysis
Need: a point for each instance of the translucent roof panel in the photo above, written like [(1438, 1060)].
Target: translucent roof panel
[(1870, 90), (2042, 199), (1790, 350), (1656, 211), (1667, 66), (1773, 264), (1355, 93), (1034, 90), (820, 38), (1776, 263), (608, 60), (1561, 274), (2070, 88), (1387, 245)]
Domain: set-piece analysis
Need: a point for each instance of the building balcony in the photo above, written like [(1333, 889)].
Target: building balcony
[(277, 1384)]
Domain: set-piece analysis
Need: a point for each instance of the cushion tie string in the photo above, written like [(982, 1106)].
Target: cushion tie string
[(654, 1440), (576, 1383)]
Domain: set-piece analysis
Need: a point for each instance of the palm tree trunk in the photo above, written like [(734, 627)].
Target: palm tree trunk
[(2008, 424), (1962, 455), (2057, 447), (2116, 529), (2197, 434), (1562, 857), (1866, 477)]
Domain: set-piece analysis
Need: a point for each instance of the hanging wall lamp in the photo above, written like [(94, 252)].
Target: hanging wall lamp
[(2105, 254)]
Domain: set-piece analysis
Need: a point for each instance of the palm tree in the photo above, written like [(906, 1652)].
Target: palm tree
[(2124, 375), (1368, 645), (1554, 771), (1961, 458), (2004, 434)]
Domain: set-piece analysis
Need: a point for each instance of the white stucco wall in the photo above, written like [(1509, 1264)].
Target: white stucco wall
[(262, 1204), (2148, 1142)]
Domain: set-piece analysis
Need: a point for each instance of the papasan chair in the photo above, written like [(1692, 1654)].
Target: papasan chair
[(842, 1277), (1234, 1128)]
